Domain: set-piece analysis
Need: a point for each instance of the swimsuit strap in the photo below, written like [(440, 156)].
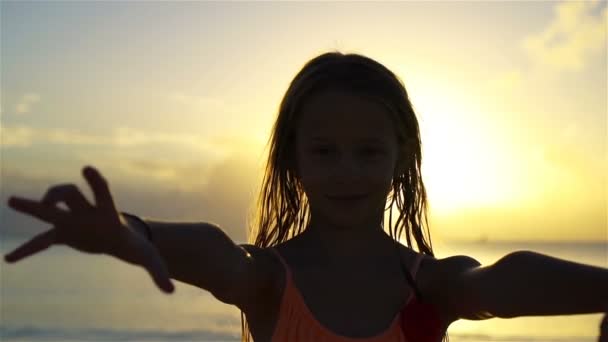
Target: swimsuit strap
[(410, 272), (416, 264)]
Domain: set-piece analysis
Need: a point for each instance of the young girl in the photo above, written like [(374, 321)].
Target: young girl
[(345, 148)]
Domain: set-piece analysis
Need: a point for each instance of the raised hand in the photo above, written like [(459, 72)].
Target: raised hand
[(88, 228), (604, 328)]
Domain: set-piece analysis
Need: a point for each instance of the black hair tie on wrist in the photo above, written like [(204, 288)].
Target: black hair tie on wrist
[(148, 230)]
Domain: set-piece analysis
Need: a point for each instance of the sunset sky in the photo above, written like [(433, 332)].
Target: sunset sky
[(173, 103)]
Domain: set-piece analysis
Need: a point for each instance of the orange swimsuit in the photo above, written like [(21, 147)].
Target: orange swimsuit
[(416, 321)]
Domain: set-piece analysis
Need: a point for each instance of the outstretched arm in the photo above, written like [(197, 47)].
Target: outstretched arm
[(523, 283), (202, 255)]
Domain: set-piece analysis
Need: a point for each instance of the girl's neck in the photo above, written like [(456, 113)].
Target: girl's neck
[(339, 244)]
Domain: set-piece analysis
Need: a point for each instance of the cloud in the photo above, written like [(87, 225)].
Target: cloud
[(25, 136), (571, 41), (216, 185), (188, 175), (126, 136), (25, 102), (16, 136), (574, 36), (225, 197)]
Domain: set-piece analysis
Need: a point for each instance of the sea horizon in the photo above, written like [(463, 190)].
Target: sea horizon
[(64, 295)]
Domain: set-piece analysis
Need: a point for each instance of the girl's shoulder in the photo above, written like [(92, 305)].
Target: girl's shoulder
[(439, 279), (434, 273), (266, 260), (261, 299), (269, 264)]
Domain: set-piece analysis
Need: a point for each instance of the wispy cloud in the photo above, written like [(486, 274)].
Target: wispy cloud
[(25, 136), (16, 136), (192, 188), (126, 136), (213, 148), (195, 191), (181, 175), (24, 105), (571, 41), (575, 35)]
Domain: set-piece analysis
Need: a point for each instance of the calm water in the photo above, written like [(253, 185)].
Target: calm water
[(64, 295)]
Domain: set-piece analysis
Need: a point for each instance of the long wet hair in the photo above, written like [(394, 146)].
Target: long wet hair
[(282, 211)]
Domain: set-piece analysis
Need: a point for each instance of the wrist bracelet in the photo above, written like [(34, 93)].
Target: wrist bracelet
[(147, 228)]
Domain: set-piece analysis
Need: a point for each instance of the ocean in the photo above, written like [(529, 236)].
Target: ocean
[(64, 295)]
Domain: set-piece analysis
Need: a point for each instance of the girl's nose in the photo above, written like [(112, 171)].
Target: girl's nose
[(347, 168)]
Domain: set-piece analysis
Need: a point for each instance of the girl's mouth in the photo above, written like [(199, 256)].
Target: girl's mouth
[(347, 197)]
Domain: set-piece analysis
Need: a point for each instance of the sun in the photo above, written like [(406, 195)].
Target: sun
[(463, 165)]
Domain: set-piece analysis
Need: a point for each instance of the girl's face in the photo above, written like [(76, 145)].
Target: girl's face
[(346, 152)]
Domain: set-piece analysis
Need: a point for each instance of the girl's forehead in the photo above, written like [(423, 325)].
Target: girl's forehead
[(334, 113)]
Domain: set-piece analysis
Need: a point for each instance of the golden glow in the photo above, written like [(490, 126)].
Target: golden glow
[(462, 165), (510, 148)]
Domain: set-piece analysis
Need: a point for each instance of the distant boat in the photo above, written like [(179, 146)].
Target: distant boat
[(482, 239)]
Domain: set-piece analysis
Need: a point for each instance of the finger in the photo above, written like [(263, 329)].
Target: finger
[(604, 329), (159, 273), (101, 189), (35, 245), (69, 194), (34, 208)]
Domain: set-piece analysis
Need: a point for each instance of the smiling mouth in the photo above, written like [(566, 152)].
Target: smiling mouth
[(347, 198)]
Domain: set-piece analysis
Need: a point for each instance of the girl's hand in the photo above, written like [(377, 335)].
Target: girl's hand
[(88, 228), (604, 328)]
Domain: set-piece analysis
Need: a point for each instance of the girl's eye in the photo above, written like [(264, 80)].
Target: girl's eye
[(324, 151), (370, 152)]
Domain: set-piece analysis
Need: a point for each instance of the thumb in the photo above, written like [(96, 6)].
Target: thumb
[(604, 328), (158, 271)]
